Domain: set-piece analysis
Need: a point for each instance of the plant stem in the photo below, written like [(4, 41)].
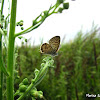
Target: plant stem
[(10, 63), (2, 7), (1, 73), (28, 30), (95, 55), (38, 79), (39, 22), (1, 78), (26, 92)]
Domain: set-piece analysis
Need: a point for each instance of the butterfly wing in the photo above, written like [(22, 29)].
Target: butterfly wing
[(55, 42), (46, 48)]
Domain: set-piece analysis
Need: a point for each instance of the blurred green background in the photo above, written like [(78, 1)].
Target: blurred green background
[(76, 69)]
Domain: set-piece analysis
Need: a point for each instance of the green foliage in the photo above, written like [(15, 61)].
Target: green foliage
[(7, 43), (28, 90), (76, 69)]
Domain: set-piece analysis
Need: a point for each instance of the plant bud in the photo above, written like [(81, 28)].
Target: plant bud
[(0, 25), (25, 81), (20, 37), (25, 40), (41, 96), (2, 17), (34, 22), (34, 93), (43, 64), (22, 88), (46, 13), (5, 31), (22, 28), (21, 23), (17, 24), (66, 5), (60, 10)]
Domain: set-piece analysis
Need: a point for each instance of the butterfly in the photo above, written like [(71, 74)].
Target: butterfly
[(52, 47)]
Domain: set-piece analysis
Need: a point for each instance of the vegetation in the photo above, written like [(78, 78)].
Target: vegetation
[(71, 75), (76, 69), (8, 52)]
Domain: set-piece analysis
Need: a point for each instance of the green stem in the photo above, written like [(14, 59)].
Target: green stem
[(23, 32), (10, 63), (39, 22), (28, 89), (2, 65), (1, 72), (38, 79), (28, 30), (1, 86), (1, 78), (2, 7)]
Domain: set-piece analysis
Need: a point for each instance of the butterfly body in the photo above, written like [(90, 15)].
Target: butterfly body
[(52, 47)]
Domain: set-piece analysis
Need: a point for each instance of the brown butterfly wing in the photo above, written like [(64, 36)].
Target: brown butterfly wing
[(55, 42), (46, 48)]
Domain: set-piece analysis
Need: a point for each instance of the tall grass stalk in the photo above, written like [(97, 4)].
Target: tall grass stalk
[(10, 62), (1, 73)]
